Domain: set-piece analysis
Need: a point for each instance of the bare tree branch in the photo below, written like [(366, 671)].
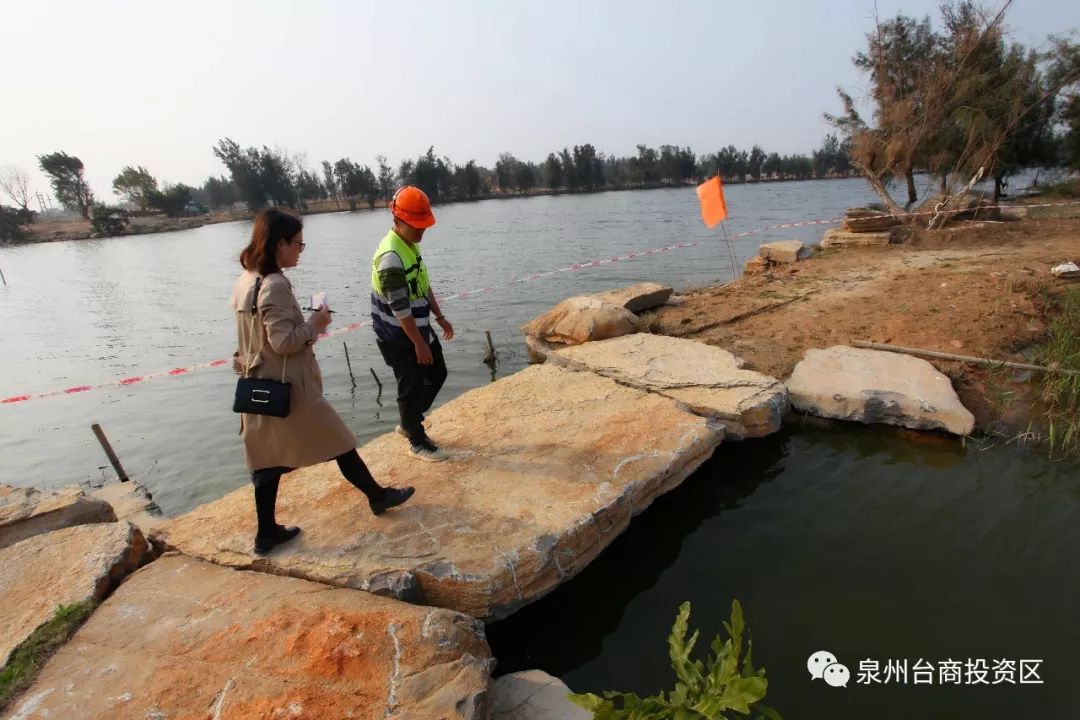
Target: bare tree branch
[(16, 185)]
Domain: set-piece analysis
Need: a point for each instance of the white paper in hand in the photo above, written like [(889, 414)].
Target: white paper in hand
[(318, 301)]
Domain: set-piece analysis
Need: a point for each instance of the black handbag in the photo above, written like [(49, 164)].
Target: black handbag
[(261, 396)]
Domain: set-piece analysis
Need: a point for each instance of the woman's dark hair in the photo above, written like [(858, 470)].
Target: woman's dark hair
[(271, 227)]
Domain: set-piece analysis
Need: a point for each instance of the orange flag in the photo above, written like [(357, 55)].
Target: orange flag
[(713, 207)]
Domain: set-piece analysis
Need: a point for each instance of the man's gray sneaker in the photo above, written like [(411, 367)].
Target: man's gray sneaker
[(427, 451)]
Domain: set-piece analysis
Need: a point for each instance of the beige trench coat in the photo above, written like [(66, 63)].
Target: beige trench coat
[(313, 432)]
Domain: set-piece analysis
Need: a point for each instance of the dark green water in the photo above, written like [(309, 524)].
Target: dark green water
[(872, 544)]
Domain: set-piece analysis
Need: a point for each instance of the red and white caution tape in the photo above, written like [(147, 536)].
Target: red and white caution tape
[(138, 379)]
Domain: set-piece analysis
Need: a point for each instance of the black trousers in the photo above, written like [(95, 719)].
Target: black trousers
[(267, 480), (417, 384)]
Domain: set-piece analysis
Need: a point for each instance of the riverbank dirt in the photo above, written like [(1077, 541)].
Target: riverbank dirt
[(979, 289)]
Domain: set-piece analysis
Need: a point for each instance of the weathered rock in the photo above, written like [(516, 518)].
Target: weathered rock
[(637, 298), (708, 380), (547, 467), (186, 639), (25, 512), (533, 695), (755, 266), (63, 567), (1066, 270), (872, 386), (784, 251), (538, 349), (839, 238), (861, 220), (582, 319), (133, 503)]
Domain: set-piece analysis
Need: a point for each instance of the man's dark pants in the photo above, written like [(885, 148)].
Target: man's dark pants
[(417, 384)]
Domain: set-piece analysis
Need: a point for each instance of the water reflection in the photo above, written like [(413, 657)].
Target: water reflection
[(591, 606)]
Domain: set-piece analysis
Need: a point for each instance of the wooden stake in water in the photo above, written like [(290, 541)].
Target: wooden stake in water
[(379, 382), (109, 452), (348, 363), (489, 358), (3, 278)]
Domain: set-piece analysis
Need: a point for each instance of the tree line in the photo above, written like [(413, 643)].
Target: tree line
[(953, 99), (262, 176)]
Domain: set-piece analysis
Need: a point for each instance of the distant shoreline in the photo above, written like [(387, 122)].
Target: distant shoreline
[(45, 231)]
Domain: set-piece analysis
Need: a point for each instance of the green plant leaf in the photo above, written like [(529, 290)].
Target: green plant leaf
[(748, 664), (767, 712), (590, 702)]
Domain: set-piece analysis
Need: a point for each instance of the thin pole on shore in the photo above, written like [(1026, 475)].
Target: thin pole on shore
[(731, 253), (348, 363), (109, 452), (959, 358), (723, 226)]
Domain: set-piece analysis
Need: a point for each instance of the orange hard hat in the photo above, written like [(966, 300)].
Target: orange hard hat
[(410, 204)]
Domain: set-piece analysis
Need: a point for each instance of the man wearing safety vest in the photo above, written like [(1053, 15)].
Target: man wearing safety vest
[(402, 308)]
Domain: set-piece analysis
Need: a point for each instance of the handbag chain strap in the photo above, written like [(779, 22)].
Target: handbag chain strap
[(251, 334)]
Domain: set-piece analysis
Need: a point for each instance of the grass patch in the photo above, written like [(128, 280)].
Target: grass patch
[(652, 322), (1064, 190), (32, 654), (1061, 391)]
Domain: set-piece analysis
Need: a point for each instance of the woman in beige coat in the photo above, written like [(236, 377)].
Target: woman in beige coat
[(280, 347)]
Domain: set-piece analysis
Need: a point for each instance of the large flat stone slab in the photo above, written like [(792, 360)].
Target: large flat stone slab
[(637, 298), (183, 639), (582, 319), (131, 502), (538, 349), (841, 238), (784, 251), (26, 512), (872, 386), (708, 380), (533, 695), (547, 467), (64, 567)]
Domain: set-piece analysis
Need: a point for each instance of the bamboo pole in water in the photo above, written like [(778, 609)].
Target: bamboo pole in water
[(958, 358)]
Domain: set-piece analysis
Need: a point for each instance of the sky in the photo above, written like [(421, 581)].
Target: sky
[(158, 84)]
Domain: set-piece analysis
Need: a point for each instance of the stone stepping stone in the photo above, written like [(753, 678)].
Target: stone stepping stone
[(187, 639), (25, 512), (547, 467), (637, 298), (872, 386), (533, 695), (582, 319), (707, 379), (64, 567)]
